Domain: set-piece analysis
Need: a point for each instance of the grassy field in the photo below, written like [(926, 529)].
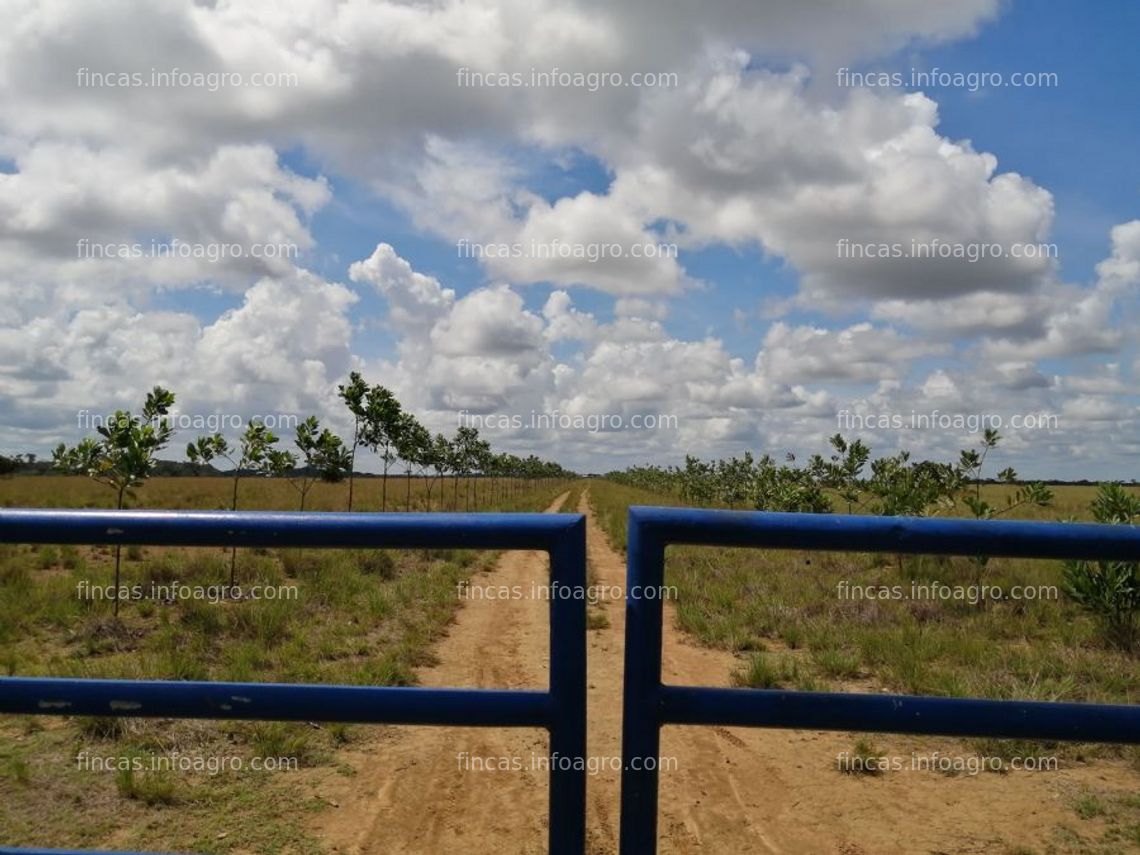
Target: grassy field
[(363, 617), (804, 620), (214, 493)]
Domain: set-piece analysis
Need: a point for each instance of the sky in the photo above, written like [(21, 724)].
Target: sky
[(668, 228)]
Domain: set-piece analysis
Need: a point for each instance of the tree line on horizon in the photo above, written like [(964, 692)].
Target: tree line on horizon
[(896, 485), (123, 453)]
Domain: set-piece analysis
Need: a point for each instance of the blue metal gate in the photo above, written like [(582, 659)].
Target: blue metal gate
[(561, 709), (649, 705)]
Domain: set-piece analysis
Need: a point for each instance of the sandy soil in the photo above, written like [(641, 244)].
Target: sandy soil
[(731, 791)]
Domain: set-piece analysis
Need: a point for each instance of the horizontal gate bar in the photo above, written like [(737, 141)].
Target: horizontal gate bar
[(274, 702), (281, 529), (911, 535), (900, 714)]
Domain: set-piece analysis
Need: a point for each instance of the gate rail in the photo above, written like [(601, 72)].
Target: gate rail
[(561, 710), (649, 704)]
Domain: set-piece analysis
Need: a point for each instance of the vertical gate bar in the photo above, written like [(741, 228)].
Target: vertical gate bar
[(567, 829), (641, 720)]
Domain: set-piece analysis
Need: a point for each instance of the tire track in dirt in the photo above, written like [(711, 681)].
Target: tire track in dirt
[(410, 791), (734, 790)]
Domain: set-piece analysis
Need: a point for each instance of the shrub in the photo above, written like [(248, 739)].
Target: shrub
[(101, 727), (837, 663), (762, 673), (278, 739), (376, 562), (865, 759), (391, 669), (1110, 589), (265, 621), (18, 769), (69, 557), (150, 789)]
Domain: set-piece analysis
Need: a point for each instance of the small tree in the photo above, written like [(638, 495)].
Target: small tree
[(1110, 589), (496, 467), (970, 464), (788, 488), (697, 484), (511, 468), (325, 458), (464, 454), (354, 393), (252, 456), (734, 479), (902, 488), (844, 472), (382, 432), (279, 463), (413, 445), (485, 462), (124, 455), (439, 458), (8, 465)]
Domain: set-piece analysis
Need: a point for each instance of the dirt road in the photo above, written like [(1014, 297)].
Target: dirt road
[(731, 791)]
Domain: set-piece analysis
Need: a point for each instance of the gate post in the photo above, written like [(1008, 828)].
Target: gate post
[(641, 709), (567, 830)]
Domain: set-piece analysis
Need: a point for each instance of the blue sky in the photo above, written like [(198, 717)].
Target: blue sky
[(1076, 139)]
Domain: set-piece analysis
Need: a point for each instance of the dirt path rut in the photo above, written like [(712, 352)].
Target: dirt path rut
[(415, 790)]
